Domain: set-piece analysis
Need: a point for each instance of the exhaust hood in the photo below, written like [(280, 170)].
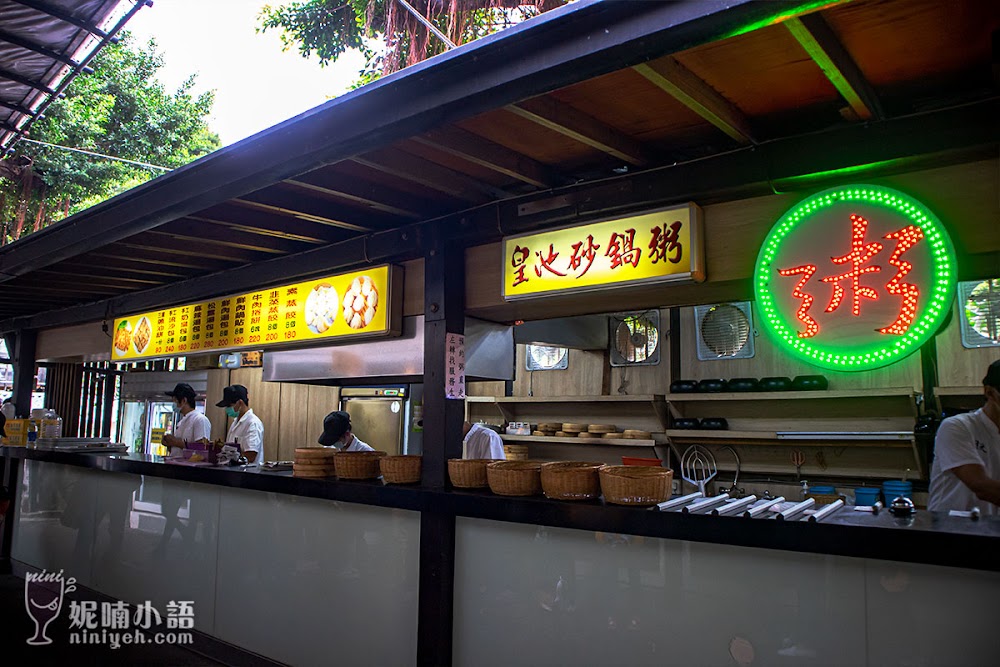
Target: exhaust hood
[(489, 355)]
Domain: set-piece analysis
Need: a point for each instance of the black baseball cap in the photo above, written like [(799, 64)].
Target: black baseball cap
[(335, 425), (184, 390), (992, 378), (233, 393)]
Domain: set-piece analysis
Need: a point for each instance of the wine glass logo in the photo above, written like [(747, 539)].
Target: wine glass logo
[(43, 600)]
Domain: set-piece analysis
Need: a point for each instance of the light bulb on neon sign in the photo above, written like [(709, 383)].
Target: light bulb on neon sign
[(855, 277)]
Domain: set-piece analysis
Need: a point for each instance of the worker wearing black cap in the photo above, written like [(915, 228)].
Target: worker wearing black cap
[(966, 469), (247, 429), (337, 432), (192, 425)]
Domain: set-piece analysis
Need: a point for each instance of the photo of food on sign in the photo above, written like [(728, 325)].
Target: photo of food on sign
[(142, 335), (322, 306), (360, 303), (123, 338)]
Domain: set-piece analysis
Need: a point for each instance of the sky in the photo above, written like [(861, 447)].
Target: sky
[(256, 83)]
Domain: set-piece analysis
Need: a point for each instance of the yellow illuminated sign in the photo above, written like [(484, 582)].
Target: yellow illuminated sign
[(663, 245), (345, 305)]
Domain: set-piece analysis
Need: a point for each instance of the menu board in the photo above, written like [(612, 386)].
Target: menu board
[(658, 246), (339, 306)]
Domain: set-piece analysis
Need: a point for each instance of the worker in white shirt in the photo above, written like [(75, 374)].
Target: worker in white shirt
[(337, 433), (482, 442), (192, 426), (966, 469), (247, 429)]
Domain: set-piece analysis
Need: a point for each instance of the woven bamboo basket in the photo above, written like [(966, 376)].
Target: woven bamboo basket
[(468, 473), (515, 478), (516, 452), (635, 485), (400, 469), (357, 465), (571, 480)]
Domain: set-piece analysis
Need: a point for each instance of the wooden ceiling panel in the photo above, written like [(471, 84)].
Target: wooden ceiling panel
[(477, 172), (628, 102), (531, 139), (763, 73), (900, 41), (353, 170)]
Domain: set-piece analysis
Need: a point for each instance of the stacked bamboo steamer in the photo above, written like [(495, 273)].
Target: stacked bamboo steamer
[(589, 431), (547, 428), (314, 462)]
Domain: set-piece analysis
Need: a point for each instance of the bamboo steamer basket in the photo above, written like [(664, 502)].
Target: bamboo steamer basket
[(516, 452), (314, 454), (569, 427), (549, 426), (616, 435), (515, 478), (468, 473), (564, 434), (635, 485), (601, 428), (633, 434), (358, 465), (583, 435), (401, 469), (571, 480)]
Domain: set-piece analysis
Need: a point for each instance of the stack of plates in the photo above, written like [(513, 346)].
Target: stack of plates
[(314, 462)]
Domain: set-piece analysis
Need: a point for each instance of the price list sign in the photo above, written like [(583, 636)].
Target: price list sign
[(345, 305)]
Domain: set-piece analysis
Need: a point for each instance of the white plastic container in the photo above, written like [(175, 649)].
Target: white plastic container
[(52, 425)]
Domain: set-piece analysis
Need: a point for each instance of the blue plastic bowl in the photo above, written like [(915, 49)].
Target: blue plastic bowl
[(894, 488), (866, 496), (822, 490)]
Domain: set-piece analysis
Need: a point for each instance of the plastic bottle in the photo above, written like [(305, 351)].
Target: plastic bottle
[(32, 432), (52, 424)]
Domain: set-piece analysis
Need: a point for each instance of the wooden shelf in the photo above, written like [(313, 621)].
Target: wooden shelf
[(627, 398), (825, 394), (774, 439), (558, 440)]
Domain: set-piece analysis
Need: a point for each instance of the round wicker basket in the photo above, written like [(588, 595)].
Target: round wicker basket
[(571, 480), (468, 473), (515, 478), (357, 465), (635, 485), (401, 469)]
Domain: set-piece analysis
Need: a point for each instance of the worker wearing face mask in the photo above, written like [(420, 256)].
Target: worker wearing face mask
[(192, 425), (247, 429), (337, 432)]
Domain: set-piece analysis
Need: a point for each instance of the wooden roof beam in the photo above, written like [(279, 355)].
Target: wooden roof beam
[(493, 156), (580, 127), (409, 167), (368, 195), (313, 210), (693, 92), (814, 34)]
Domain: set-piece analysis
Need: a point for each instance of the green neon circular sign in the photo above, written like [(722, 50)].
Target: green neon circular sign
[(855, 277)]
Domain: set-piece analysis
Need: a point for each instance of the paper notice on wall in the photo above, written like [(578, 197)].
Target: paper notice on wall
[(455, 365)]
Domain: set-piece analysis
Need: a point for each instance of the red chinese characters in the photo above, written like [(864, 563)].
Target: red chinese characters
[(860, 262), (545, 262), (518, 260), (665, 244), (621, 250), (581, 253)]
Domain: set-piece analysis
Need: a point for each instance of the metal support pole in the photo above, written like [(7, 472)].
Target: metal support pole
[(444, 313), (23, 360)]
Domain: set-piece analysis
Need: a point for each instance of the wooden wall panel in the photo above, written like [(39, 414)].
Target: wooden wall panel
[(769, 360), (320, 402), (218, 379), (80, 342), (294, 428), (959, 366), (485, 388), (583, 377), (413, 287)]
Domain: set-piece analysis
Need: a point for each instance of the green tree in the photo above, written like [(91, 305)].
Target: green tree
[(120, 110), (386, 32)]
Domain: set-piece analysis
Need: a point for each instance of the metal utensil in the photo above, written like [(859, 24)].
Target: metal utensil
[(698, 467), (798, 458), (677, 503), (706, 504), (832, 508), (734, 507)]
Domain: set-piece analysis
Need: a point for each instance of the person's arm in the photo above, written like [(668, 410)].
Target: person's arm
[(974, 476), (170, 440)]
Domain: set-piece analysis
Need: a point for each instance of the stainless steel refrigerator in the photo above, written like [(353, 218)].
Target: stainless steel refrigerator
[(378, 415)]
